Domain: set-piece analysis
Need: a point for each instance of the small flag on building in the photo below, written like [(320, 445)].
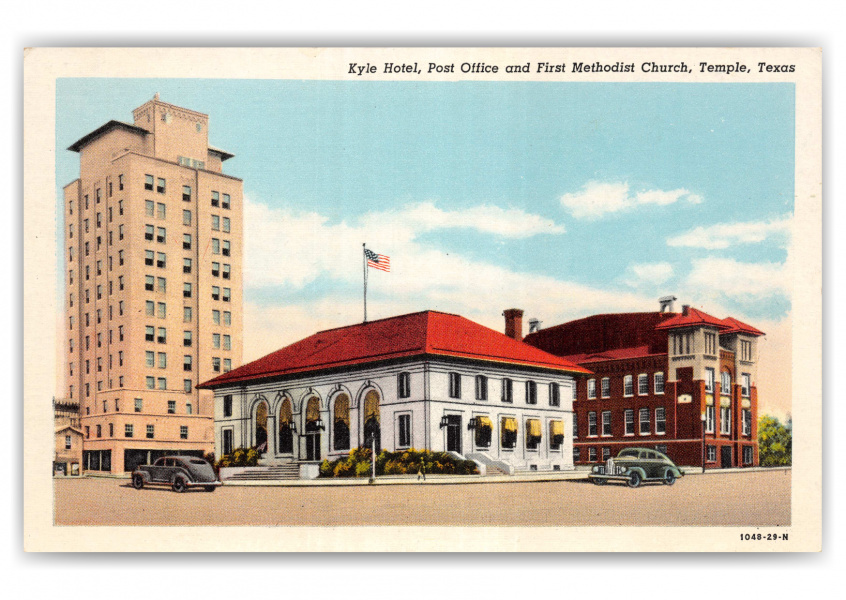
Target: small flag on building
[(378, 261)]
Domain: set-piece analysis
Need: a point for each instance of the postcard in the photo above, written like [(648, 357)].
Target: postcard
[(405, 299)]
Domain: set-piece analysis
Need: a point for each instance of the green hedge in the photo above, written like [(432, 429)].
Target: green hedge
[(358, 464), (240, 457)]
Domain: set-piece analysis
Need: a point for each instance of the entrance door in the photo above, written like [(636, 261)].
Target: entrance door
[(725, 457), (373, 433), (453, 433), (312, 441)]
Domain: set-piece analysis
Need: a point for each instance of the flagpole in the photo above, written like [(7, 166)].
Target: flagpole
[(364, 264)]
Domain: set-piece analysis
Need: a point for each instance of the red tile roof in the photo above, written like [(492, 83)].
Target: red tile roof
[(736, 326), (693, 318), (616, 354), (416, 334)]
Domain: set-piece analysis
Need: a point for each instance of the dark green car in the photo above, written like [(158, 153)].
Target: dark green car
[(636, 465)]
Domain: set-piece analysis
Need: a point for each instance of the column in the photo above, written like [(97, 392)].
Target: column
[(272, 435)]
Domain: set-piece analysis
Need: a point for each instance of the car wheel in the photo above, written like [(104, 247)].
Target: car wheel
[(211, 488), (179, 485), (634, 480), (669, 478), (599, 482), (138, 482)]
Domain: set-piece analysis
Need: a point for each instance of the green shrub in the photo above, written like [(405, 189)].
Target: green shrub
[(252, 458), (326, 468), (363, 469)]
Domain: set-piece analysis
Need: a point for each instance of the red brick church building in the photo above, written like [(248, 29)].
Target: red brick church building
[(683, 383)]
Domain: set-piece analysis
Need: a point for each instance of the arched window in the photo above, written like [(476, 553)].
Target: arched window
[(286, 433), (261, 426), (341, 423), (372, 431)]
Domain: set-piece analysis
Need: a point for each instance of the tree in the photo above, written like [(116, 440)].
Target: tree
[(775, 442)]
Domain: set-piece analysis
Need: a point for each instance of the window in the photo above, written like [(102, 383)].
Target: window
[(227, 405), (554, 394), (186, 338), (161, 235), (606, 387), (127, 430), (577, 454), (591, 389), (162, 360), (162, 310), (508, 427), (162, 335), (120, 259), (710, 418), (745, 385), (725, 383), (642, 384), (225, 201), (712, 453), (161, 260), (186, 241), (67, 442), (148, 182), (186, 193), (149, 208), (215, 198), (227, 317), (404, 431), (120, 207), (628, 417), (745, 350), (186, 386), (644, 421), (533, 434), (659, 383), (149, 232), (606, 453), (186, 217), (725, 420), (507, 394), (183, 432), (99, 292), (150, 383), (215, 270), (531, 392), (454, 385), (171, 407), (151, 432), (150, 307), (592, 454), (161, 284), (215, 222), (120, 333), (606, 423), (120, 182), (628, 386), (748, 455), (120, 357), (215, 246), (215, 292), (186, 290), (227, 342), (226, 225), (225, 248), (87, 248), (99, 431), (227, 365), (710, 343), (216, 365), (187, 314), (660, 421), (186, 265), (139, 405), (160, 186), (227, 294), (709, 379), (162, 383), (591, 424), (746, 422), (215, 340), (226, 271)]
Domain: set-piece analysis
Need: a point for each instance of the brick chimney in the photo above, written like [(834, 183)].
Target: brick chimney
[(685, 309), (514, 323)]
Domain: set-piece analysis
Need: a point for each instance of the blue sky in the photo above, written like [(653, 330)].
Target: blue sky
[(563, 199)]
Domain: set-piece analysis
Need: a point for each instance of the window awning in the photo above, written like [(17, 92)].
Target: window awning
[(533, 427), (509, 424), (483, 421), (556, 428)]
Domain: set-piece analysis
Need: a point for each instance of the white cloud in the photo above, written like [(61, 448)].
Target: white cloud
[(743, 282), (649, 273), (723, 235), (596, 199)]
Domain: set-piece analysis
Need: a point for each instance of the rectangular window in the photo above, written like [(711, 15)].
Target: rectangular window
[(161, 260), (606, 453), (215, 292), (710, 419), (187, 314), (507, 391), (186, 193), (642, 384), (227, 294), (186, 265), (227, 405), (227, 365), (186, 338), (226, 225), (454, 385), (712, 454), (745, 385), (606, 423), (215, 270), (644, 421), (186, 385), (162, 383), (709, 379), (481, 384), (148, 182), (531, 392), (226, 271), (725, 420), (162, 310), (227, 342), (404, 431), (628, 386), (225, 248), (215, 246), (139, 405), (606, 387), (186, 290), (183, 432), (227, 318), (216, 317), (592, 454), (660, 421), (725, 383), (127, 430), (151, 432), (748, 455), (186, 217), (225, 201), (162, 360), (149, 232), (160, 186), (746, 421), (150, 383), (403, 385), (591, 389), (577, 454), (162, 335), (215, 198), (149, 208), (171, 407), (659, 383), (215, 340), (216, 365), (628, 415), (215, 222), (161, 235), (591, 424), (186, 241), (554, 394)]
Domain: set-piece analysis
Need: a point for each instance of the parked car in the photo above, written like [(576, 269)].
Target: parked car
[(179, 472), (636, 465)]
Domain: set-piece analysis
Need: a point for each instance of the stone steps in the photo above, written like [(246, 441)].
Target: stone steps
[(284, 472)]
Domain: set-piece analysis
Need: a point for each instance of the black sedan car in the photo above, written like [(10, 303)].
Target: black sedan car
[(179, 472), (636, 465)]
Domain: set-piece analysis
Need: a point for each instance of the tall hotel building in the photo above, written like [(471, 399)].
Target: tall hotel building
[(153, 232)]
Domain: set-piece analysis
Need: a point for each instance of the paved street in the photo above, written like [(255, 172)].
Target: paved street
[(734, 498)]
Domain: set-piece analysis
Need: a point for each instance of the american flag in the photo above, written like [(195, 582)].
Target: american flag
[(377, 261)]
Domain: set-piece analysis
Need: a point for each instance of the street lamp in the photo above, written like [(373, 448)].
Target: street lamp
[(472, 423), (703, 417), (444, 421)]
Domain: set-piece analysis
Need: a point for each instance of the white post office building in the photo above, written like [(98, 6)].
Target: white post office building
[(426, 380)]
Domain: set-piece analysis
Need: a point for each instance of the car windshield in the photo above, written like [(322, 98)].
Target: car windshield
[(627, 454), (197, 461)]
